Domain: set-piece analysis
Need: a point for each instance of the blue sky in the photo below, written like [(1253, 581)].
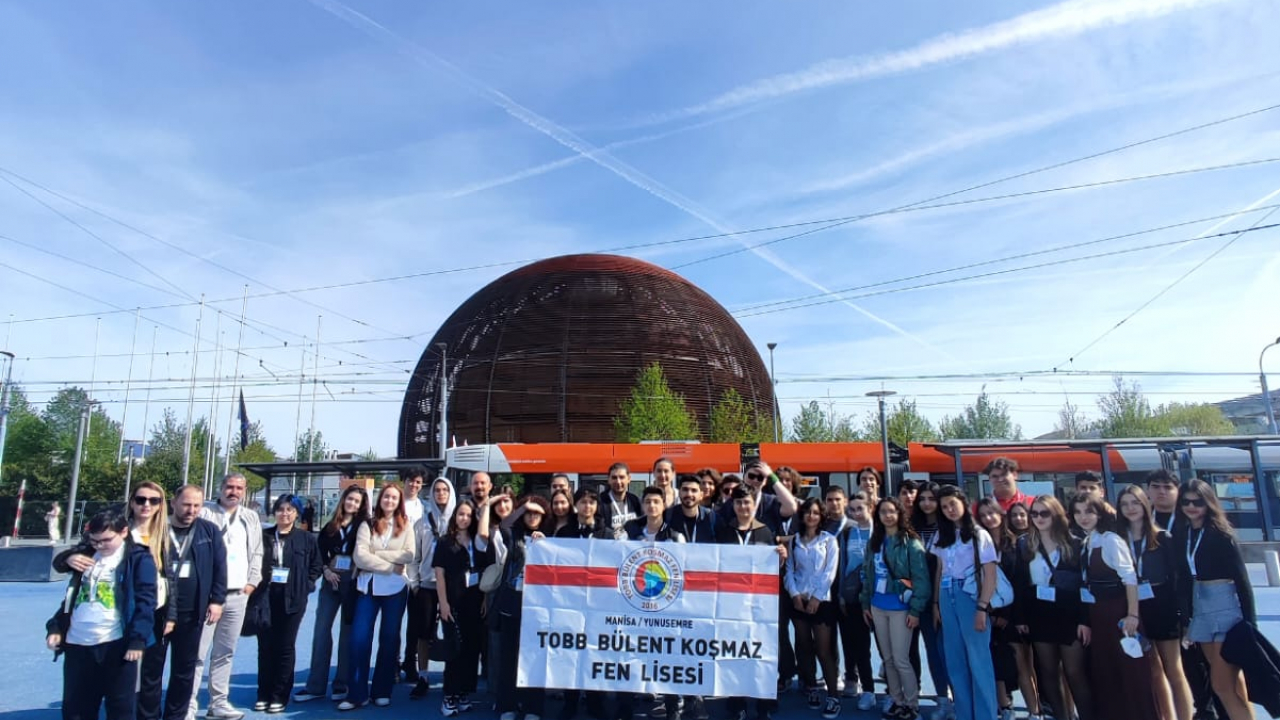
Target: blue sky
[(183, 148)]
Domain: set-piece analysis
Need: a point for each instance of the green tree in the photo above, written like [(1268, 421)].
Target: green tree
[(1195, 419), (735, 421), (813, 424), (311, 447), (985, 419), (905, 423), (654, 411), (1125, 413), (28, 450), (256, 450), (163, 465)]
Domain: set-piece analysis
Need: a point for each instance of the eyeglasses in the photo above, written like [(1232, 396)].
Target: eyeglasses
[(140, 501), (1193, 502), (1042, 514), (100, 541)]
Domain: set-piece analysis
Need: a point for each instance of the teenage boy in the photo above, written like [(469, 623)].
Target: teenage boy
[(1089, 484), (695, 521), (652, 527), (618, 506)]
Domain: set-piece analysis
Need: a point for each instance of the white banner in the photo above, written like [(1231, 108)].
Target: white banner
[(650, 617)]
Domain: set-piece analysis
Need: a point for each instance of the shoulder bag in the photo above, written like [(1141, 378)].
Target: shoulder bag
[(1003, 594)]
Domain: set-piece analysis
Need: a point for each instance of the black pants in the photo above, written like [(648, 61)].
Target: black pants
[(98, 675), (786, 653), (276, 651), (151, 680), (855, 641), (1196, 668), (184, 650), (532, 701), (460, 672), (414, 631)]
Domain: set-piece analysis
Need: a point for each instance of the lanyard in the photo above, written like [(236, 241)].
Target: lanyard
[(1191, 551), (471, 553), (743, 535), (691, 529), (1139, 551), (181, 547), (856, 532), (279, 549)]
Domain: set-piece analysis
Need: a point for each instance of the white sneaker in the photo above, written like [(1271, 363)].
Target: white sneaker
[(866, 701), (382, 702), (508, 716)]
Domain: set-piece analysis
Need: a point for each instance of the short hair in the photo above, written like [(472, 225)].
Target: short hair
[(1007, 464), (909, 484), (231, 476), (740, 493), (585, 493), (858, 495), (113, 518), (833, 490), (654, 490), (710, 472), (1088, 476), (287, 499), (414, 471), (619, 466), (188, 488), (683, 480), (731, 478), (1161, 476)]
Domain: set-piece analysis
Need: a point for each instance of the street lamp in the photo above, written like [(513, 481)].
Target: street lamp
[(880, 395), (85, 412), (773, 389), (4, 401), (444, 397), (1266, 393)]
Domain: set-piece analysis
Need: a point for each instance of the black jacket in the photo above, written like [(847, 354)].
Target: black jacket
[(575, 529), (703, 527), (1249, 650), (666, 533), (300, 553), (727, 534), (135, 596)]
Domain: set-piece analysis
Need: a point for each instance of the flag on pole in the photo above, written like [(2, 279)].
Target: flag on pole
[(244, 423)]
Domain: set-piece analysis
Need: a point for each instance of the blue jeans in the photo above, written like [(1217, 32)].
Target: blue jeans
[(968, 653), (328, 609), (368, 608), (932, 637)]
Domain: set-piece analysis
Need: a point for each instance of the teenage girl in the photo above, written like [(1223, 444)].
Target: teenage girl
[(1006, 640), (924, 520)]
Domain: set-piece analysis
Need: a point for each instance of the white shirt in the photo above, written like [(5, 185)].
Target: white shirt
[(957, 558), (1115, 553), (242, 534), (383, 583), (98, 617), (1041, 571), (413, 508), (812, 565)]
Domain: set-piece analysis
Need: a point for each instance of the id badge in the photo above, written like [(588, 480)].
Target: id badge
[(184, 569), (1047, 593), (1086, 596), (1146, 592), (473, 579), (882, 586), (341, 562), (520, 583), (280, 575)]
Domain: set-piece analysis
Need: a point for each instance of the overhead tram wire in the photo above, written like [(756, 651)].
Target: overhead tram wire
[(838, 222), (1237, 234), (827, 223), (994, 273), (1007, 258)]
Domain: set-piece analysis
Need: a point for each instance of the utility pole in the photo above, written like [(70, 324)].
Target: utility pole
[(4, 401), (773, 395), (75, 465), (884, 434), (1266, 392), (444, 398)]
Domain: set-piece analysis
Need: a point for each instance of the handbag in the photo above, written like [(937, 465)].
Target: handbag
[(1003, 594), (448, 642), (1062, 578), (491, 578), (257, 614)]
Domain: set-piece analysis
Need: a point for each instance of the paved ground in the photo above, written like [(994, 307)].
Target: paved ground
[(32, 687)]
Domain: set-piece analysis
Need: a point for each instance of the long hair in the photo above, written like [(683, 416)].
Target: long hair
[(400, 520), (1003, 538), (1106, 514), (1026, 511), (877, 528), (948, 529), (1149, 531), (1059, 528), (453, 521), (918, 518), (157, 529), (1213, 516), (340, 516), (801, 529)]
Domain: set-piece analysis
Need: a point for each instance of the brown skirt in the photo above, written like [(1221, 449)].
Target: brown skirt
[(1121, 684)]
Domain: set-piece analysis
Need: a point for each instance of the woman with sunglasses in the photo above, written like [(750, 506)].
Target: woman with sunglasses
[(291, 559), (1121, 682), (1156, 562), (1047, 579), (337, 544), (1007, 642), (105, 622), (924, 520), (965, 619), (1213, 589)]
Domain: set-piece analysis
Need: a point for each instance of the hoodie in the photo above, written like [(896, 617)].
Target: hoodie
[(433, 524)]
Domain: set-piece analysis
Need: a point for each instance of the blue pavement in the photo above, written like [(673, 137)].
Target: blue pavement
[(32, 687)]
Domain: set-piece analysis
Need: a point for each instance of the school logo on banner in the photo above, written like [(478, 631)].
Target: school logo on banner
[(650, 579)]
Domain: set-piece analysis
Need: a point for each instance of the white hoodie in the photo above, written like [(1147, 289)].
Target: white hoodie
[(433, 524)]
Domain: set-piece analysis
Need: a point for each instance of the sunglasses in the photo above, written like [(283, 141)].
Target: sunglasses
[(1040, 514), (1193, 502), (755, 476), (141, 501)]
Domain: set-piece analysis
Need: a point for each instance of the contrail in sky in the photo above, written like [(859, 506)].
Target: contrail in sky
[(584, 148)]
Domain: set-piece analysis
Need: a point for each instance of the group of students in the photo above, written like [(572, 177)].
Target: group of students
[(1081, 608)]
